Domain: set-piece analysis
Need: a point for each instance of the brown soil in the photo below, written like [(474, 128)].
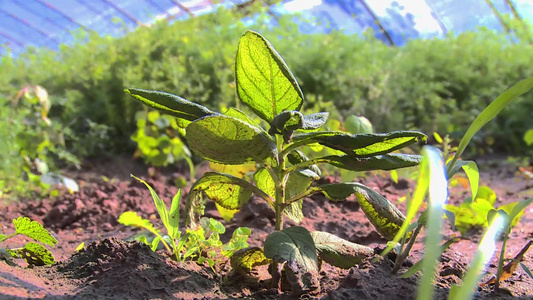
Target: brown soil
[(110, 268)]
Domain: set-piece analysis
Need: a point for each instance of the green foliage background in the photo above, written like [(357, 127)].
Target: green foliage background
[(428, 85)]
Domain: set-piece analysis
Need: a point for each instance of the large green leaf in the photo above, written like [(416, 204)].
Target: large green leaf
[(264, 81), (339, 252), (386, 218), (33, 230), (227, 191), (361, 145), (228, 140), (490, 112), (295, 246), (379, 162), (170, 104)]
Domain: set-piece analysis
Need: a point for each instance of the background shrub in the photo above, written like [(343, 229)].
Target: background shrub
[(428, 85)]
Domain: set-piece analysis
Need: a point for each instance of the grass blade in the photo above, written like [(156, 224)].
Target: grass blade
[(438, 194), (482, 256), (490, 112)]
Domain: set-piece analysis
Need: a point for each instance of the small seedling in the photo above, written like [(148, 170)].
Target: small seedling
[(284, 175), (35, 254), (201, 244), (510, 218), (173, 241)]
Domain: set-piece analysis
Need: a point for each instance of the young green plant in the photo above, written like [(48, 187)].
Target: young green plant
[(265, 84), (34, 253), (173, 242), (202, 244)]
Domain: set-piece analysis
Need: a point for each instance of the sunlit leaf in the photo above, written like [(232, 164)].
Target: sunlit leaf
[(438, 194), (174, 215), (228, 140), (130, 218), (249, 258), (226, 214), (361, 145), (159, 204), (528, 137), (235, 170), (379, 162), (472, 172), (34, 230), (34, 254), (227, 191), (170, 104), (264, 81), (491, 111)]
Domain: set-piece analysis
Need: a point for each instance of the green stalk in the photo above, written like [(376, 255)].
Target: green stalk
[(192, 172), (481, 258), (279, 184), (152, 230), (500, 261)]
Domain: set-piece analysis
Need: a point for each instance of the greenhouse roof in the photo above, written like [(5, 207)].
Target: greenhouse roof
[(49, 23)]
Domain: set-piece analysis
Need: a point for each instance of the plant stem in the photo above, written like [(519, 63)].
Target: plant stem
[(162, 240), (402, 256), (500, 262), (191, 169), (279, 184)]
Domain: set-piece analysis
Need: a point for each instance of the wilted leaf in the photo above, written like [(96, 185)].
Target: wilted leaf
[(339, 252), (295, 247), (228, 140), (264, 81), (34, 230)]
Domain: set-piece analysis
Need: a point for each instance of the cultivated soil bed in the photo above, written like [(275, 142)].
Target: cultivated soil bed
[(110, 268)]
